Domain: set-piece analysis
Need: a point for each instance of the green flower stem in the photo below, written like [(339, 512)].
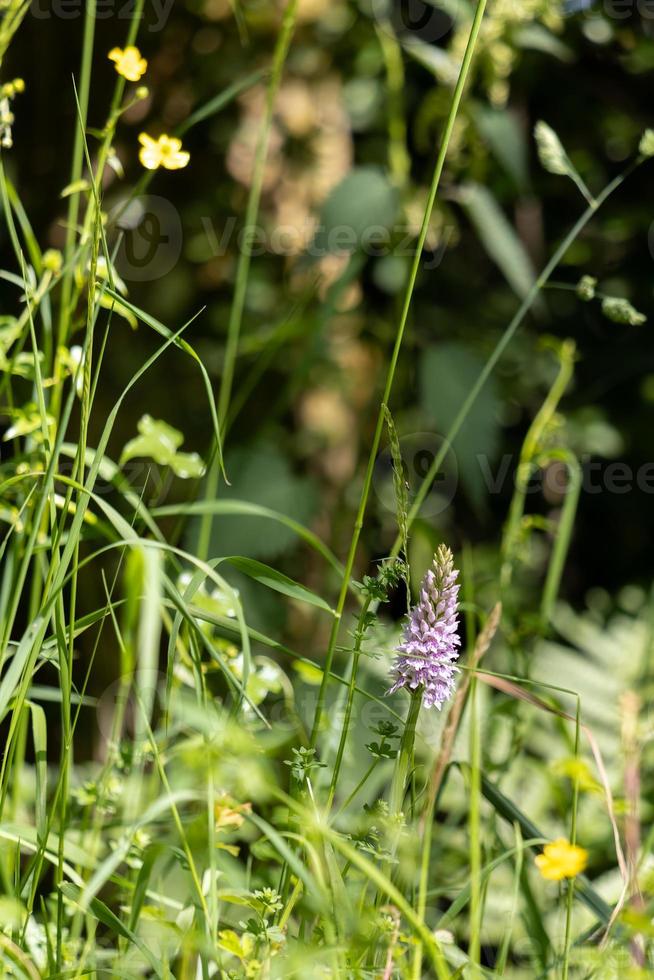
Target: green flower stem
[(374, 449), (404, 762)]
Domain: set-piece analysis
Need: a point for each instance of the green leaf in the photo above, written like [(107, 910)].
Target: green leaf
[(75, 188), (434, 58), (40, 737), (104, 915), (447, 373), (142, 882), (538, 38), (177, 340), (231, 942), (498, 237), (261, 475), (503, 133), (116, 306), (275, 580), (220, 101), (159, 441), (244, 508), (309, 673), (363, 204)]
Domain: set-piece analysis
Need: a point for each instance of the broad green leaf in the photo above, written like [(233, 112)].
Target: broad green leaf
[(498, 237), (275, 580), (309, 673), (262, 476), (363, 204), (231, 942), (243, 508), (447, 373), (434, 58), (538, 38), (159, 441), (503, 133), (40, 737)]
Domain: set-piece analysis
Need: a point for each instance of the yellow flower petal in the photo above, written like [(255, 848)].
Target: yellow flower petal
[(129, 62), (165, 152), (561, 859), (149, 154)]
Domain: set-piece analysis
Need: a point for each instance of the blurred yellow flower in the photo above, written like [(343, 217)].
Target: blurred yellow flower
[(129, 62), (230, 815), (164, 152), (561, 859)]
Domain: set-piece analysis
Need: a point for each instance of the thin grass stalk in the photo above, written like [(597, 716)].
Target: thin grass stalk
[(390, 377), (243, 266), (76, 172), (252, 210), (564, 529), (573, 840), (474, 811), (504, 341), (529, 453), (360, 632)]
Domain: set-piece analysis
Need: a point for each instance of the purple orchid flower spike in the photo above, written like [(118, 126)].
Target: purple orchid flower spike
[(429, 647)]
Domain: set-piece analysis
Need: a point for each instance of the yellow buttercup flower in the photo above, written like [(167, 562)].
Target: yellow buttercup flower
[(561, 859), (164, 152), (129, 62)]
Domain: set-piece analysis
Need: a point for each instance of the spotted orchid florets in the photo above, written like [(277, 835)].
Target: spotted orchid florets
[(428, 651)]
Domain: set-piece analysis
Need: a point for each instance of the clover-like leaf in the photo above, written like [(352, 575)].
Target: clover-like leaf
[(159, 441)]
